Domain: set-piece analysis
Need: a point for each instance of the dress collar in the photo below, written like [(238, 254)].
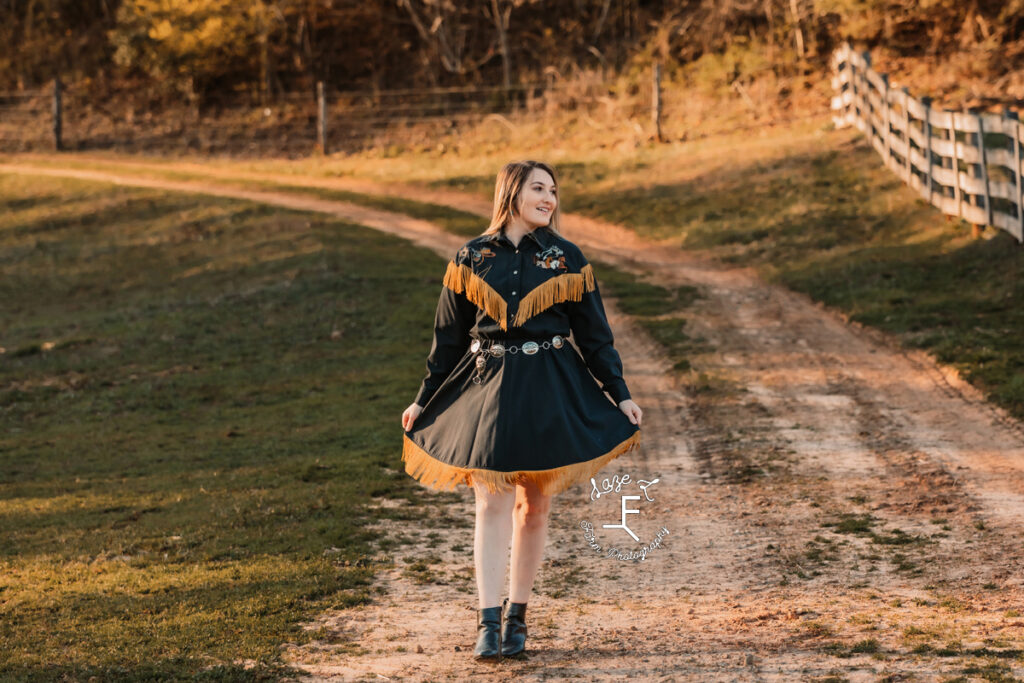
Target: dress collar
[(541, 236)]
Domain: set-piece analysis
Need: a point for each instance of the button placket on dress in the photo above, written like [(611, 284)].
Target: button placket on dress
[(516, 279)]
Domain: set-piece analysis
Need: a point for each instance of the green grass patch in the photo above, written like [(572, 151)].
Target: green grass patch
[(997, 672), (453, 220), (852, 524), (199, 397), (655, 308), (867, 646), (897, 537)]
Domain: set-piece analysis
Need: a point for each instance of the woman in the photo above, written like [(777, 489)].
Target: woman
[(508, 406)]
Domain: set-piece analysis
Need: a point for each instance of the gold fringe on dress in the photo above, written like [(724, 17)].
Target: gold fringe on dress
[(565, 287), (433, 473), (461, 278)]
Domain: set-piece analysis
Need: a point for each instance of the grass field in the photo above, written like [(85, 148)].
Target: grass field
[(198, 400)]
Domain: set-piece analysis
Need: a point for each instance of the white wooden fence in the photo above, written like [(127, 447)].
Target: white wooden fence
[(967, 164)]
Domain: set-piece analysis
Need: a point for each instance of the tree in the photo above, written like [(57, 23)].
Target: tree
[(445, 25), (191, 44)]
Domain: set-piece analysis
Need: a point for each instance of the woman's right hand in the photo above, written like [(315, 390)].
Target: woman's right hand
[(410, 415)]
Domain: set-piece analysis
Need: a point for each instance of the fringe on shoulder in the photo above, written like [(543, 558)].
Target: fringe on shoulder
[(565, 287), (461, 279), (431, 472)]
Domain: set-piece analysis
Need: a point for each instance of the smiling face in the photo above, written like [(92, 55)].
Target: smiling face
[(537, 199), (525, 198)]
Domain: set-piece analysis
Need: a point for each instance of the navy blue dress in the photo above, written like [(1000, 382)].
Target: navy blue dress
[(543, 413)]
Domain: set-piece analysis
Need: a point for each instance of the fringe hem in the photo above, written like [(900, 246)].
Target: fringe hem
[(431, 472), (460, 278), (565, 287)]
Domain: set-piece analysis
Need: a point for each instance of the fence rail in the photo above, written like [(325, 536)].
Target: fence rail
[(967, 164)]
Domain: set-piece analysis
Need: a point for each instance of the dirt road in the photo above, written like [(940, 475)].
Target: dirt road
[(835, 508)]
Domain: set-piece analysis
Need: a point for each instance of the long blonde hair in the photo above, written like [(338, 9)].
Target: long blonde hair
[(507, 189)]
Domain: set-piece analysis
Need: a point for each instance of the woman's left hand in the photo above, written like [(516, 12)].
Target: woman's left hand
[(632, 411)]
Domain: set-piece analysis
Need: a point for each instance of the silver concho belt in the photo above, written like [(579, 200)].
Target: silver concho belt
[(528, 348), (498, 350)]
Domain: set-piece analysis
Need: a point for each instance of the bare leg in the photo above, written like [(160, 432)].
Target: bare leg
[(529, 533), (490, 543)]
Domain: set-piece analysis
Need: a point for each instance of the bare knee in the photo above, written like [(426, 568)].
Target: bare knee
[(496, 503), (532, 512)]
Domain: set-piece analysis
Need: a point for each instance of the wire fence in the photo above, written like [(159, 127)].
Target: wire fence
[(321, 120), (25, 119), (967, 164), (70, 117)]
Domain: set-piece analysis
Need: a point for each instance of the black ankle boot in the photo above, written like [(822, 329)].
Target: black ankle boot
[(488, 641), (513, 631)]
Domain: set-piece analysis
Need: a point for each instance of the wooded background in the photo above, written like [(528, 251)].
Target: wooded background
[(203, 49)]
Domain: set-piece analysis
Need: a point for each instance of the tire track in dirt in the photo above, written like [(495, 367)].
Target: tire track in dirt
[(822, 488)]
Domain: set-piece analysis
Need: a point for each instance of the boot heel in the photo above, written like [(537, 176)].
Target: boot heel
[(488, 641)]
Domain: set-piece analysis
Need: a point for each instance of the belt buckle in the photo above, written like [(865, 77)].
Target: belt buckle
[(530, 348)]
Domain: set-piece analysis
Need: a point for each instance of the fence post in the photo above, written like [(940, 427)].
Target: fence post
[(321, 117), (865, 93), (850, 74), (656, 102), (926, 102), (958, 192), (58, 115), (852, 84), (841, 65), (885, 119), (907, 172), (984, 165), (862, 93), (1015, 139)]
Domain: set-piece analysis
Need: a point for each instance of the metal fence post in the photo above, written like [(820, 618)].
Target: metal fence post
[(58, 115)]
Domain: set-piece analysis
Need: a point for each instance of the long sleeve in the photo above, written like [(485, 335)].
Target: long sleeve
[(454, 319), (593, 336)]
